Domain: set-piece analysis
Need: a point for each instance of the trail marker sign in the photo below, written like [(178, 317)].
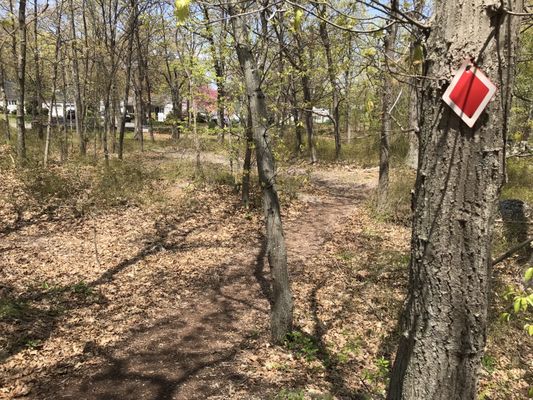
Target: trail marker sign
[(469, 93)]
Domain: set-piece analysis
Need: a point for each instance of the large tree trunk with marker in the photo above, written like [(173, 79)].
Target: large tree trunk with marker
[(461, 171), (282, 305)]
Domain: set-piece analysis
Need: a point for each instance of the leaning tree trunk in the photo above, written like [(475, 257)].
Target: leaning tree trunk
[(282, 305), (460, 174), (386, 123)]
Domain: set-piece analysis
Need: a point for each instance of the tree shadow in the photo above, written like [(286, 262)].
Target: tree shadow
[(36, 314), (333, 373), (190, 355)]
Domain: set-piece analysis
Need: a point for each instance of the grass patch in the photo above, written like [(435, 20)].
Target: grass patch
[(12, 309)]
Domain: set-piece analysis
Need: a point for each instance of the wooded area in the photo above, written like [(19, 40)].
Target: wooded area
[(274, 199)]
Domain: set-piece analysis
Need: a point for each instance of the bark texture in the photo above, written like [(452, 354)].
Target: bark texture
[(282, 304), (458, 184)]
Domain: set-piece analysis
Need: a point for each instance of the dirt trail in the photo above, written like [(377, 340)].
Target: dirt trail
[(195, 350)]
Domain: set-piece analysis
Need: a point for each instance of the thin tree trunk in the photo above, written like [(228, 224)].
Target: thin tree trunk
[(4, 94), (247, 166), (21, 76), (308, 118), (64, 147), (122, 129), (282, 304), (54, 86), (324, 35), (414, 83), (37, 110), (219, 74), (458, 185), (386, 125), (77, 85), (149, 106)]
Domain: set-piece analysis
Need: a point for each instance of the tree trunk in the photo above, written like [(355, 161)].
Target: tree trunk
[(122, 128), (308, 118), (297, 123), (77, 85), (383, 184), (37, 110), (55, 67), (246, 169), (4, 94), (458, 185), (324, 35), (282, 305), (414, 84), (218, 65), (21, 77), (412, 155)]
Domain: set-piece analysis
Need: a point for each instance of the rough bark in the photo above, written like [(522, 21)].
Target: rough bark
[(282, 304), (386, 122), (458, 184)]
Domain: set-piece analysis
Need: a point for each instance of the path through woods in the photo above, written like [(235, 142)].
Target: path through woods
[(169, 300), (178, 317)]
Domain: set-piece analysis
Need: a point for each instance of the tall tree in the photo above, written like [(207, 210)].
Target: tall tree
[(77, 82), (386, 120), (332, 75), (282, 304), (458, 185), (21, 78)]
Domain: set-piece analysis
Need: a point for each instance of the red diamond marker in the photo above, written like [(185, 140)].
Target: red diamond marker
[(469, 93)]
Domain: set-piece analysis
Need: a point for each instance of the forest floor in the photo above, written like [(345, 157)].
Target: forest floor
[(169, 299)]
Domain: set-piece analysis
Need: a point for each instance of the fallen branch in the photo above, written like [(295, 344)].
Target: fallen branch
[(511, 251)]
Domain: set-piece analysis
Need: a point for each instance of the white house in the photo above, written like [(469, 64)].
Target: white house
[(12, 96), (321, 115), (58, 111)]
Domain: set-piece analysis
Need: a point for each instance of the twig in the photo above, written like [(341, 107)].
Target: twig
[(511, 251), (95, 243)]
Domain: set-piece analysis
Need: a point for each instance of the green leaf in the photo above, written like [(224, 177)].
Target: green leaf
[(529, 274), (182, 10), (516, 305)]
